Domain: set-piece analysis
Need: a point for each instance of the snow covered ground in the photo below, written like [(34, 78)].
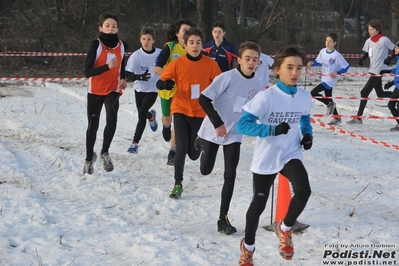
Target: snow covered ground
[(52, 215)]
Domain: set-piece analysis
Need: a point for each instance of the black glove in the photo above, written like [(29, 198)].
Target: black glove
[(385, 72), (364, 57), (387, 61), (165, 85), (388, 85), (143, 77), (281, 128), (307, 141)]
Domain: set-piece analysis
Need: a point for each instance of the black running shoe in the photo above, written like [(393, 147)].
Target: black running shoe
[(225, 226), (198, 144), (171, 157), (167, 133)]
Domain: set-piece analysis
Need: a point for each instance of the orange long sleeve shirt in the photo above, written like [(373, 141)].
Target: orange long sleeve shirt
[(190, 76)]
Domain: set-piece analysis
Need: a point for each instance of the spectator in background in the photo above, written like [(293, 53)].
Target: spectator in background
[(106, 69), (173, 49), (140, 70), (219, 49)]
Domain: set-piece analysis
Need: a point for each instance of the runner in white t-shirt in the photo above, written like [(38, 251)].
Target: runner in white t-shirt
[(262, 72), (333, 64), (376, 48), (279, 117), (140, 69), (222, 101)]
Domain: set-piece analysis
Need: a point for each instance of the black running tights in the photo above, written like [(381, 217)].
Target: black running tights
[(372, 83), (297, 175), (327, 93), (186, 129), (231, 154), (393, 105), (144, 101), (94, 106)]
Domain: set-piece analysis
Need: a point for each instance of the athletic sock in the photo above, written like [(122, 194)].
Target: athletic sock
[(285, 228), (250, 248)]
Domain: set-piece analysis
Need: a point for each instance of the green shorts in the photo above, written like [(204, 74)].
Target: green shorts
[(165, 106)]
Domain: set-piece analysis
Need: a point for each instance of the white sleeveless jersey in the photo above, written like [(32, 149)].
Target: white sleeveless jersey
[(272, 107), (229, 91), (138, 63)]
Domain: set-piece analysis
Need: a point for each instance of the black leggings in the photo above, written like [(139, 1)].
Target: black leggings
[(373, 83), (144, 101), (231, 154), (393, 105), (297, 175), (327, 93), (94, 106), (186, 129)]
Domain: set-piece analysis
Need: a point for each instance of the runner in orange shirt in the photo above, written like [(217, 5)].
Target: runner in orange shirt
[(191, 73)]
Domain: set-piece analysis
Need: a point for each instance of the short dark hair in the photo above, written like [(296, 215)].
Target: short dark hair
[(376, 24), (148, 30), (104, 16), (219, 24), (248, 45), (174, 28), (193, 31), (333, 36)]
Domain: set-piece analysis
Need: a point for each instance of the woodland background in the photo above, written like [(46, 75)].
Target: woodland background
[(64, 26)]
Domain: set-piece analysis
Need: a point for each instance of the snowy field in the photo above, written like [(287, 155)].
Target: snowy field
[(52, 215)]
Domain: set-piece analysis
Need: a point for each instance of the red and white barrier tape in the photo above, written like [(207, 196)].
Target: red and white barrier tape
[(42, 54), (356, 98), (357, 116), (25, 53), (45, 54), (353, 74), (42, 79), (344, 132)]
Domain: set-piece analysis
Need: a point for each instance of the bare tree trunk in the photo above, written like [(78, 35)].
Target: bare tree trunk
[(177, 9), (341, 25), (230, 20), (86, 8), (200, 14), (395, 20), (359, 32), (243, 13), (306, 33), (204, 17)]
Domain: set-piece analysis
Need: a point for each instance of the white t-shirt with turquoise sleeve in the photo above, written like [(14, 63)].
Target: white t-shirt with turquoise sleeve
[(272, 107)]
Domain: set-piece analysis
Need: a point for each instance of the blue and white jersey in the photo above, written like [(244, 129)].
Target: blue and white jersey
[(331, 62)]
